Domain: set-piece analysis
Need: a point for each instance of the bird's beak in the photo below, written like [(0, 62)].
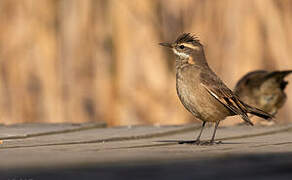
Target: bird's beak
[(169, 45)]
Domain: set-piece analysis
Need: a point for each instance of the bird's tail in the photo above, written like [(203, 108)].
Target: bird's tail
[(258, 112), (279, 77), (278, 74)]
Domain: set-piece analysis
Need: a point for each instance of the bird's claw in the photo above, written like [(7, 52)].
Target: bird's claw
[(208, 143), (201, 143)]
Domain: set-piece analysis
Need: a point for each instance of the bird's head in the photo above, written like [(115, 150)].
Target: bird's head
[(185, 46)]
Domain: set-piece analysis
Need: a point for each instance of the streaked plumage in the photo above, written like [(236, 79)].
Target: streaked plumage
[(200, 90)]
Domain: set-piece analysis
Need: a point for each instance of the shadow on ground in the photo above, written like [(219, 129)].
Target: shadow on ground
[(256, 166)]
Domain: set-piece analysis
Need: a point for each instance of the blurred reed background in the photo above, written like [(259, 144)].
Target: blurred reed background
[(98, 60)]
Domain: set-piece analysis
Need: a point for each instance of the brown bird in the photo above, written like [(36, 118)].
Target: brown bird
[(201, 91), (263, 89)]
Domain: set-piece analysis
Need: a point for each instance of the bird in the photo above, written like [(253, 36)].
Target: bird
[(201, 91), (263, 89)]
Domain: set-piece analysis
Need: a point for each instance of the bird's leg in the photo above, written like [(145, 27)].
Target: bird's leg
[(213, 136), (199, 136), (212, 141), (197, 141)]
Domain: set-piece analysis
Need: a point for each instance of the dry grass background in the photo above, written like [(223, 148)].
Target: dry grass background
[(93, 60)]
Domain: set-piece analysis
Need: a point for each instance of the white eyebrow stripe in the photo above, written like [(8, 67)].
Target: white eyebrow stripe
[(181, 53), (190, 46)]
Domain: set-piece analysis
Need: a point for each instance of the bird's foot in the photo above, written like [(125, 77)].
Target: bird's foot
[(209, 143), (198, 142)]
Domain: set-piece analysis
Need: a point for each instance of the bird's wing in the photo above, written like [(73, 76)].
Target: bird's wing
[(224, 95), (252, 80)]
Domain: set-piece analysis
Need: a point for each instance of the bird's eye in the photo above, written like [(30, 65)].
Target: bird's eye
[(181, 46)]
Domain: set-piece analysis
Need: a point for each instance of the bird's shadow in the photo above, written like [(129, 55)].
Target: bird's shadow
[(193, 142), (161, 143)]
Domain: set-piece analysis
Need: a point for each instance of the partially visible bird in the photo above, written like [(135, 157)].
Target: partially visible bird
[(201, 91), (263, 89)]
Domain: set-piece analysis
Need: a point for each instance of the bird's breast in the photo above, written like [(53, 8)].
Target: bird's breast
[(196, 99)]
